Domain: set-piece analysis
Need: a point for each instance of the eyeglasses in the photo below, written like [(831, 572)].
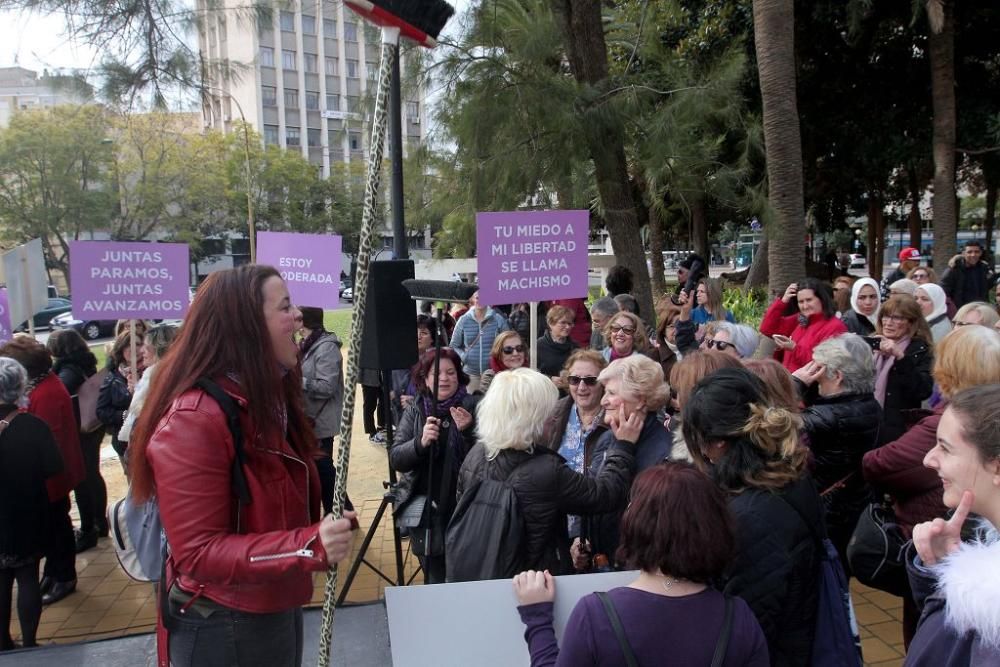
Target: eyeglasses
[(564, 323), (895, 318), (720, 345), (628, 331), (588, 380), (511, 349), (960, 323)]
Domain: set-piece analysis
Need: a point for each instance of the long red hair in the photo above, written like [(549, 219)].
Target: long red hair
[(224, 333)]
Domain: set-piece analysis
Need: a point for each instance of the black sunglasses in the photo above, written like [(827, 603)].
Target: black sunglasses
[(719, 345), (588, 380), (511, 349)]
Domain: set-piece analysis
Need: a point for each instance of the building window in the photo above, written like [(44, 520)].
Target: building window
[(354, 139), (269, 96), (352, 104), (308, 25), (288, 21), (412, 111), (331, 66), (266, 56), (311, 62), (332, 102), (312, 100), (292, 137), (271, 135), (350, 31), (352, 69), (312, 136), (330, 28), (291, 98), (288, 59), (372, 70)]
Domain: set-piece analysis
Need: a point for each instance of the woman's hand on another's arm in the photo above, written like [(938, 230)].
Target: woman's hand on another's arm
[(532, 587)]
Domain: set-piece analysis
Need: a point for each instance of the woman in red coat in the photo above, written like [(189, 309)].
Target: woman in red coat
[(238, 573), (49, 401), (800, 320)]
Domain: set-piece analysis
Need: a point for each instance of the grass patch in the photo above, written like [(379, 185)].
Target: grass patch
[(339, 322)]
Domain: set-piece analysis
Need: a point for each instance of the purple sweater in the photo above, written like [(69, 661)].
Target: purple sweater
[(685, 629)]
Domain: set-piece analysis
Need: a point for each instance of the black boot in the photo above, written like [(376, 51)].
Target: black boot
[(45, 585), (85, 539), (59, 590)]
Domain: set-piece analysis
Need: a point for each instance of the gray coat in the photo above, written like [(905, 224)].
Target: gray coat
[(323, 385)]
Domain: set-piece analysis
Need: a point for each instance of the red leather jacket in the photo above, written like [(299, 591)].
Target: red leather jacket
[(50, 402), (265, 565)]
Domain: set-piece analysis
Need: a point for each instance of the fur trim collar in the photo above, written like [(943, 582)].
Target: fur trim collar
[(969, 580)]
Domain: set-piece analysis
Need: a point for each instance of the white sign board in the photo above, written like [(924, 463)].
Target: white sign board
[(27, 281), (476, 623)]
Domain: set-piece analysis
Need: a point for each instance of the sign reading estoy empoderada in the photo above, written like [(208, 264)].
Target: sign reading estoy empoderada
[(532, 255), (120, 280), (309, 263)]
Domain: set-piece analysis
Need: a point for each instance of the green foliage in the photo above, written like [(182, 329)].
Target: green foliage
[(747, 306)]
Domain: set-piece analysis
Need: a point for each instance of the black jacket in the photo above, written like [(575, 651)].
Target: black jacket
[(112, 402), (552, 355), (28, 456), (408, 456), (965, 284), (841, 430), (547, 491), (777, 566), (857, 323), (910, 383), (74, 372)]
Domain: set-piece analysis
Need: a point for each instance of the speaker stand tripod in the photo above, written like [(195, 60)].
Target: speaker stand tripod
[(388, 502)]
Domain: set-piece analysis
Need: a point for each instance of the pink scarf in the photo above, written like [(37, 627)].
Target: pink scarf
[(883, 364)]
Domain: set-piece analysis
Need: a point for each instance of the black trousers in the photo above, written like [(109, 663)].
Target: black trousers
[(60, 556), (231, 638), (372, 399), (92, 493), (29, 604)]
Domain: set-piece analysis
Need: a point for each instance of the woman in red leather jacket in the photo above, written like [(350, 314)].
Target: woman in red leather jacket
[(237, 574)]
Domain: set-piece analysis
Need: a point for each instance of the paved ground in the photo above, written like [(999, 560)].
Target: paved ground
[(108, 604)]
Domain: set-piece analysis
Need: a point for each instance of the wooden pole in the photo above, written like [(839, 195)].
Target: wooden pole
[(133, 363), (26, 293), (533, 316)]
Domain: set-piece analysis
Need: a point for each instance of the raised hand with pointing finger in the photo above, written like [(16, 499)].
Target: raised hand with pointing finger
[(934, 540)]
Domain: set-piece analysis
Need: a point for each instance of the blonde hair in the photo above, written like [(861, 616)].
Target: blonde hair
[(986, 312), (639, 341), (694, 366), (556, 313), (512, 415), (967, 357), (641, 377)]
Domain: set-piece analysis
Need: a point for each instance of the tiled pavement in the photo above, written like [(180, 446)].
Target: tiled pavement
[(109, 604)]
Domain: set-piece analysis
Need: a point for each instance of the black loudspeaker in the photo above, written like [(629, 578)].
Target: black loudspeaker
[(390, 333)]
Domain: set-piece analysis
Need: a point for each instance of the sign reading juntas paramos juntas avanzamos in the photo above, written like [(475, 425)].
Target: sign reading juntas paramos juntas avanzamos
[(120, 280)]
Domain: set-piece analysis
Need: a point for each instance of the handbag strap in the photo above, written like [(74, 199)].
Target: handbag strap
[(722, 646), (616, 625)]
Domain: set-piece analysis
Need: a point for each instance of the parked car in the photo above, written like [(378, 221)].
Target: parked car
[(858, 261), (89, 329), (43, 318), (347, 294)]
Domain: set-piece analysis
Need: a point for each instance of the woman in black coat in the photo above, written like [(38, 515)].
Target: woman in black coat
[(555, 345), (74, 363), (903, 362), (429, 448), (511, 421), (842, 425), (28, 456), (116, 395), (753, 452)]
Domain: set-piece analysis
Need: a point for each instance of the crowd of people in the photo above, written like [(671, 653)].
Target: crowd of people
[(705, 453)]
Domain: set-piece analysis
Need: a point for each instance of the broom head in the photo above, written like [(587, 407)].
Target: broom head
[(418, 20)]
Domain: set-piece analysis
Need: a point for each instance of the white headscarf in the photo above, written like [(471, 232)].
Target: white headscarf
[(856, 291), (937, 297)]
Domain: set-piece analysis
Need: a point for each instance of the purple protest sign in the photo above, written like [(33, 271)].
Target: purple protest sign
[(309, 263), (117, 280), (5, 327), (532, 255)]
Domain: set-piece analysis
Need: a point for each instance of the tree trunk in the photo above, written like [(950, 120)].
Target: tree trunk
[(774, 24), (942, 60), (914, 222), (699, 227), (656, 248), (757, 275), (583, 34), (876, 237)]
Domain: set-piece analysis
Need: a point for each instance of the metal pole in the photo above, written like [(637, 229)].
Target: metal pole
[(399, 243), (533, 329)]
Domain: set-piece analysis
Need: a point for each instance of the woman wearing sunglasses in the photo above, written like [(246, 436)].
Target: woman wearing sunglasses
[(737, 340), (509, 352), (625, 335)]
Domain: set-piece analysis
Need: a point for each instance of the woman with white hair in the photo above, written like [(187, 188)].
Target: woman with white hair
[(842, 424), (976, 312), (903, 286), (28, 457), (863, 315), (737, 340), (934, 305), (510, 421)]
